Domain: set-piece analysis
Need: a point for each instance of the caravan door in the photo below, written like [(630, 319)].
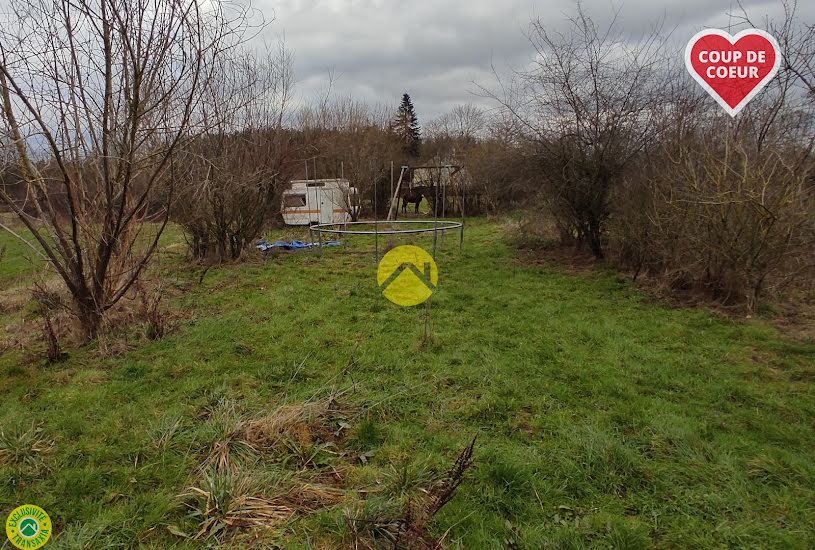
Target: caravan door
[(314, 204), (326, 205), (319, 203)]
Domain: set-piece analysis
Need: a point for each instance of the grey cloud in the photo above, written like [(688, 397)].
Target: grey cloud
[(434, 50)]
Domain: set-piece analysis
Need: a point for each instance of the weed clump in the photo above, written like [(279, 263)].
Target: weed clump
[(24, 447), (256, 473), (244, 482)]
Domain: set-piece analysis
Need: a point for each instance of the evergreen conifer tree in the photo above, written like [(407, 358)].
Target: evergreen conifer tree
[(406, 127)]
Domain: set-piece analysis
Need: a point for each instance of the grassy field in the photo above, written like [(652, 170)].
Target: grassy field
[(17, 261), (604, 420)]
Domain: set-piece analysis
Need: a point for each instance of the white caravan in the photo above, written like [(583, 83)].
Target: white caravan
[(318, 201)]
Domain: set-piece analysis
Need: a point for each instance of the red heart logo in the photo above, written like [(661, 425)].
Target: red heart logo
[(733, 69)]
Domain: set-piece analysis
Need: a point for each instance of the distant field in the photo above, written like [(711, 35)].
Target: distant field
[(603, 420)]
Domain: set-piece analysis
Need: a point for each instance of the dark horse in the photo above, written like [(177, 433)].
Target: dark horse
[(412, 196)]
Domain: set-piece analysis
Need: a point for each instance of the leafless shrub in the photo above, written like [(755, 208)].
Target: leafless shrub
[(151, 312), (587, 103), (796, 39), (49, 302), (96, 112), (235, 171), (463, 124), (500, 170), (724, 206), (498, 176), (637, 162), (735, 222)]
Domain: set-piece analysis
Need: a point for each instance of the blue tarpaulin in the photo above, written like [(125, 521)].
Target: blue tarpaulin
[(264, 245)]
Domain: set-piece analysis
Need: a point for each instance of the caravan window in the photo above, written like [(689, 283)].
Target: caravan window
[(294, 201)]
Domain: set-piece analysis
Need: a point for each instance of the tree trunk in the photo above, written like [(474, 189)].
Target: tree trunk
[(595, 237), (89, 315)]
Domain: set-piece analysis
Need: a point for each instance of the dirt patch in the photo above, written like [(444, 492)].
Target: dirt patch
[(134, 320), (566, 258), (797, 320)]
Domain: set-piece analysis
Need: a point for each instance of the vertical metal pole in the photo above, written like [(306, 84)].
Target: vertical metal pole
[(443, 206), (428, 322), (436, 215), (376, 224), (443, 197), (463, 200)]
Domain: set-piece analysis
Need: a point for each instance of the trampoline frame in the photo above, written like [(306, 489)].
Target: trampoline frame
[(435, 226)]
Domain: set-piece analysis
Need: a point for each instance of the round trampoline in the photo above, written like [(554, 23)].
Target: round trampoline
[(341, 228)]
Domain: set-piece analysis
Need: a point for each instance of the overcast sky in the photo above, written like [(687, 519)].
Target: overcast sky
[(435, 49)]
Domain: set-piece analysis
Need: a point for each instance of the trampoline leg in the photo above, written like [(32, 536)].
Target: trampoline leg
[(376, 242)]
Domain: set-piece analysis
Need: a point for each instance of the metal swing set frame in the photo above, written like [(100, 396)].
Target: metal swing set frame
[(440, 225)]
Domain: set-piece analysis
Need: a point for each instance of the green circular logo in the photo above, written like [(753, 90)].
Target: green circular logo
[(28, 527)]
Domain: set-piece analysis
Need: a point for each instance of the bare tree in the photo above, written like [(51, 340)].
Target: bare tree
[(98, 96), (235, 171), (351, 139), (465, 123), (588, 101), (796, 39)]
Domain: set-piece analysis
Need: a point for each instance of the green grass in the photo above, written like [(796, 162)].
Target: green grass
[(17, 260), (603, 420)]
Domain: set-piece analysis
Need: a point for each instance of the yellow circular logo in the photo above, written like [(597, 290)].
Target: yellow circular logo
[(407, 275), (28, 527)]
